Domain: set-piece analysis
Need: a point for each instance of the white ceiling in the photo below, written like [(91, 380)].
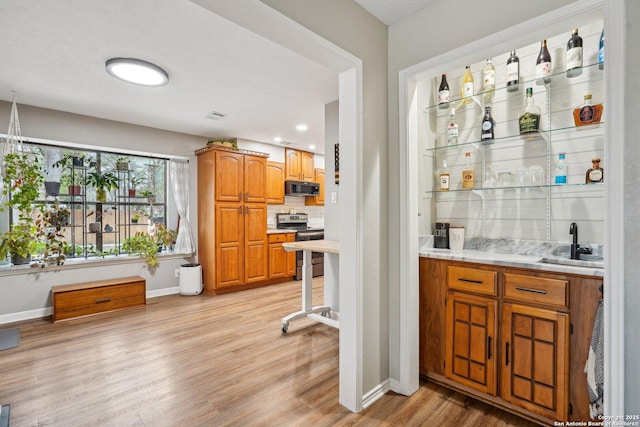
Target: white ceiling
[(52, 54), (393, 11)]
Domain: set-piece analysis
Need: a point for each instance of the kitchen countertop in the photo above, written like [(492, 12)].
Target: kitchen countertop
[(279, 231), (513, 260)]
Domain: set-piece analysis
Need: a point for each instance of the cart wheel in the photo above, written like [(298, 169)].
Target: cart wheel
[(285, 328)]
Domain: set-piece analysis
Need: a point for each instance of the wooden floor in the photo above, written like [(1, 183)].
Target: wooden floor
[(204, 361)]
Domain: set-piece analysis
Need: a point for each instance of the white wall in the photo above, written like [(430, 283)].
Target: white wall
[(350, 27), (439, 28), (30, 292)]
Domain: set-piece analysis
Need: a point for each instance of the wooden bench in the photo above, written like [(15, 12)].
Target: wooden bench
[(84, 299)]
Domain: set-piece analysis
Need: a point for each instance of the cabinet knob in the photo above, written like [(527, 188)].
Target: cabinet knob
[(240, 210), (246, 196), (240, 195)]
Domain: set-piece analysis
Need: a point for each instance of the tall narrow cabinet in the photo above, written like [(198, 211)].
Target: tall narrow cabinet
[(232, 218)]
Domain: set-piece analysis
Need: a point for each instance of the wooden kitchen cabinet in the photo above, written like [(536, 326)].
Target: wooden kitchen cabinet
[(232, 217), (299, 165), (470, 341), (281, 262), (532, 328), (319, 199), (275, 183)]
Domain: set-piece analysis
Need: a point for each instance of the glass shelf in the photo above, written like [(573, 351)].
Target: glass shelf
[(531, 137), (556, 80), (552, 187)]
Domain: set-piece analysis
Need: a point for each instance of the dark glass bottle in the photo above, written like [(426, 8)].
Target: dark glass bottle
[(543, 63), (595, 173), (443, 93), (513, 72), (574, 54), (488, 124)]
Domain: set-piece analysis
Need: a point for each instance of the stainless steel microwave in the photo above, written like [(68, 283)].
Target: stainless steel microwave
[(300, 188)]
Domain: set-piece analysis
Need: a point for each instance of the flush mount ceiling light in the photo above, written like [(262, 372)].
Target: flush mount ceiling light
[(137, 71), (302, 127), (277, 139)]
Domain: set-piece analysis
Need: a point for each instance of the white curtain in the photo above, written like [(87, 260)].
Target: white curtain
[(179, 176)]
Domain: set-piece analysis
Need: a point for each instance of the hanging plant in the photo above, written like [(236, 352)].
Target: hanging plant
[(22, 181)]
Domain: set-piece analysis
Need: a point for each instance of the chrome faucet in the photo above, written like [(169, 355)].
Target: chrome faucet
[(576, 250)]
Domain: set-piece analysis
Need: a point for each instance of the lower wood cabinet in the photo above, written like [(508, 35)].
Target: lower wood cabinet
[(517, 339), (470, 341), (281, 262)]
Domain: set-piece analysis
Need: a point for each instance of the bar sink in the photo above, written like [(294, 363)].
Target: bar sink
[(590, 261)]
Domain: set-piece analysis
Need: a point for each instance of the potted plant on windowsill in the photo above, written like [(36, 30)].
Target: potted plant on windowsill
[(134, 181), (149, 195), (50, 225), (70, 162), (142, 244), (19, 243), (102, 182), (164, 236)]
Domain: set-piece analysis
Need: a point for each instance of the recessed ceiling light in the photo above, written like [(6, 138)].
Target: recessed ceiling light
[(137, 71), (312, 147), (277, 139), (302, 127)]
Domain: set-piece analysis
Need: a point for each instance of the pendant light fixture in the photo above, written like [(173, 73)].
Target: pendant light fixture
[(137, 71)]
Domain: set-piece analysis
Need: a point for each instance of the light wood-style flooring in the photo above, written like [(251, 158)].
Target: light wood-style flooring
[(204, 361)]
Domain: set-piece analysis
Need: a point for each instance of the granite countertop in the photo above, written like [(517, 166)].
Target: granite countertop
[(532, 255), (279, 231)]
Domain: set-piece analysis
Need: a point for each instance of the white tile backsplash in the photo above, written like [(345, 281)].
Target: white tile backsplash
[(315, 213)]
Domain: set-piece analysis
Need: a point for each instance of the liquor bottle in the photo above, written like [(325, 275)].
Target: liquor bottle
[(529, 119), (601, 51), (488, 80), (467, 173), (587, 114), (595, 172), (561, 170), (452, 129), (513, 72), (445, 178), (443, 93), (488, 124), (467, 85), (543, 63), (574, 54)]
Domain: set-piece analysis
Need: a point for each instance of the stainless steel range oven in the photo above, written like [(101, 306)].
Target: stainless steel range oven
[(300, 223)]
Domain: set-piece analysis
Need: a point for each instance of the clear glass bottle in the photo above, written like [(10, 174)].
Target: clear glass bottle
[(543, 64), (587, 113), (488, 125), (488, 80), (444, 176), (467, 85), (595, 173), (443, 93), (529, 118), (561, 170), (513, 72), (574, 54), (452, 129), (467, 172)]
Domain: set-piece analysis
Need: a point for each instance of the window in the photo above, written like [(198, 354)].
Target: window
[(109, 197)]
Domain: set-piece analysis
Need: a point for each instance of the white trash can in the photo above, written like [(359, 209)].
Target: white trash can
[(190, 279)]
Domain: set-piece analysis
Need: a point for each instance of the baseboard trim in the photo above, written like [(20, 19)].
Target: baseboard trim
[(375, 393), (48, 311)]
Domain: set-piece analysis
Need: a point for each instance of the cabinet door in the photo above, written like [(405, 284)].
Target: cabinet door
[(535, 360), (319, 199), (307, 171), (229, 177), (255, 179), (291, 257), (255, 233), (229, 259), (470, 341), (292, 165), (275, 183), (277, 261)]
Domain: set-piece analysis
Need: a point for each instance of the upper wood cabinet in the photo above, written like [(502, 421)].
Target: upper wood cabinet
[(240, 177), (299, 165), (319, 199), (275, 183)]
